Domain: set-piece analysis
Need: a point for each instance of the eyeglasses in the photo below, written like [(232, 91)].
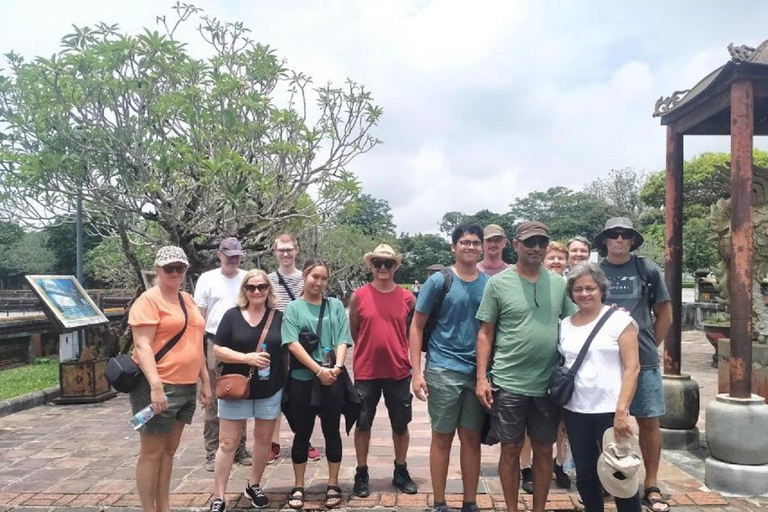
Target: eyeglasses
[(470, 243), (285, 251), (387, 264), (588, 289), (533, 241), (616, 233), (251, 288), (174, 268)]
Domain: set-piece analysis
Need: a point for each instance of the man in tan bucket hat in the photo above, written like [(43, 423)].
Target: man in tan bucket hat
[(378, 315)]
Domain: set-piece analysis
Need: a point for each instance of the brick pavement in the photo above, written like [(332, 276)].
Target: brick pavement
[(82, 457)]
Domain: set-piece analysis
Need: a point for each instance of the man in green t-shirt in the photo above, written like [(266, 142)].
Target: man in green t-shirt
[(519, 315)]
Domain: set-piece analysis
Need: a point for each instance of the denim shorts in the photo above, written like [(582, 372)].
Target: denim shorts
[(182, 400), (261, 408), (452, 401), (649, 397)]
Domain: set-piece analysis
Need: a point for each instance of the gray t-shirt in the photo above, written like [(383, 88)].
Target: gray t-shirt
[(629, 291)]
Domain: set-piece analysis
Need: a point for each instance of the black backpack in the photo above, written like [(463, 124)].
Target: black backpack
[(645, 276)]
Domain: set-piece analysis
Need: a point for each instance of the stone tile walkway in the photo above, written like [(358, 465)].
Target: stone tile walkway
[(82, 457)]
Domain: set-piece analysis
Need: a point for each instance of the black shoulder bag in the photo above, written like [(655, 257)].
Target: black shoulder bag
[(562, 381), (123, 373)]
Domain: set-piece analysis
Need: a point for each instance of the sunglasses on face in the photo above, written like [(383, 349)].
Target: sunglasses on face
[(533, 241), (616, 233), (387, 264), (177, 268), (285, 251), (252, 288)]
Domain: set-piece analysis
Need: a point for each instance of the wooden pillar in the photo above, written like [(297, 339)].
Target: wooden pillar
[(673, 272), (740, 277)]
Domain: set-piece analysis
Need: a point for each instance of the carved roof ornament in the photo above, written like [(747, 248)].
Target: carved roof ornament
[(741, 53), (664, 105)]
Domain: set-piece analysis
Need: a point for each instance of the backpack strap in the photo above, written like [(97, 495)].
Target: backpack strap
[(641, 266), (434, 314), (284, 285)]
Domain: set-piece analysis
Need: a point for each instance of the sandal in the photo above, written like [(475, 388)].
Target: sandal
[(333, 496), (652, 504), (296, 498)]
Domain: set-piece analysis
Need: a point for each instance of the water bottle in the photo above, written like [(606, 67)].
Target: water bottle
[(569, 466), (264, 372), (327, 363), (142, 417)]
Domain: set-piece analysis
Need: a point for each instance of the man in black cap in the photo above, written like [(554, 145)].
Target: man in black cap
[(637, 285), (216, 292), (518, 317)]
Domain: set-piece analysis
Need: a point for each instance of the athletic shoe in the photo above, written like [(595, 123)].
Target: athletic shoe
[(210, 462), (274, 453), (218, 505), (527, 480), (243, 457), (442, 507), (562, 480), (402, 480), (313, 454), (360, 487), (257, 497), (469, 507)]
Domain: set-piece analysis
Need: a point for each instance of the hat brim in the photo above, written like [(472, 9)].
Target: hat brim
[(599, 241), (232, 252), (169, 261), (370, 256), (619, 488), (533, 232)]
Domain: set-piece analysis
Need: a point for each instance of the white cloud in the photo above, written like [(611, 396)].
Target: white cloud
[(484, 101)]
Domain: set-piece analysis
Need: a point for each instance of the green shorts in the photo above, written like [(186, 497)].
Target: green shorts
[(182, 400), (452, 401)]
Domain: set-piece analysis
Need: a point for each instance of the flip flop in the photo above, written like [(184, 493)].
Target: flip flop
[(652, 503), (332, 493), (296, 495)]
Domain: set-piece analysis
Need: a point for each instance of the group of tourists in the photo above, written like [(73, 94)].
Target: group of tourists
[(265, 345)]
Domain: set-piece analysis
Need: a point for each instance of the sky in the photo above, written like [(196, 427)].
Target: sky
[(484, 101)]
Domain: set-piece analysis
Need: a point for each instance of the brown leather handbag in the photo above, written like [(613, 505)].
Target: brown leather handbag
[(235, 386)]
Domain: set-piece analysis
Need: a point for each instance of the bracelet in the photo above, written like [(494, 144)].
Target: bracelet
[(339, 366), (320, 371)]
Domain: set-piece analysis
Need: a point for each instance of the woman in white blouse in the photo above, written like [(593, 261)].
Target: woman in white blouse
[(605, 382)]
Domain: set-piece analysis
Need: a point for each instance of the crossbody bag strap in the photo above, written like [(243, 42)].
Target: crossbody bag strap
[(583, 352), (319, 330), (263, 336), (168, 346), (284, 285)]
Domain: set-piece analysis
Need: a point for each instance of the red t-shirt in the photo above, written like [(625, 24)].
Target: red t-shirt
[(381, 347)]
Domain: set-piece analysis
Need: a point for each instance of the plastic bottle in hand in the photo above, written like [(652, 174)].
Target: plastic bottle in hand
[(327, 363), (264, 372), (142, 417)]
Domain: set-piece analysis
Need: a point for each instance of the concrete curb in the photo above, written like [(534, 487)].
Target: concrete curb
[(28, 401)]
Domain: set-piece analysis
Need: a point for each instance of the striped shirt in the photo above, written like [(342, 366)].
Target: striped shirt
[(295, 283)]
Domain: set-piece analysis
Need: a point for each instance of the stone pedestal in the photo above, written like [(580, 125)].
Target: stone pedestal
[(736, 437), (735, 478), (678, 425)]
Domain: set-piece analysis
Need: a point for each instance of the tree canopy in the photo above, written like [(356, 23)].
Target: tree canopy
[(232, 144)]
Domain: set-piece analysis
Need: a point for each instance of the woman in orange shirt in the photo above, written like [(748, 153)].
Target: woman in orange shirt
[(169, 384)]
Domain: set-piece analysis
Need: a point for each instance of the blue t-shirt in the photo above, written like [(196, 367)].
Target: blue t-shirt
[(452, 345)]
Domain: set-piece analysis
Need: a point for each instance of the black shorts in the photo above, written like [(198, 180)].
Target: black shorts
[(513, 414), (397, 398)]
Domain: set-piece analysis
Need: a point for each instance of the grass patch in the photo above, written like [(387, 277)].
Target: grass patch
[(42, 374)]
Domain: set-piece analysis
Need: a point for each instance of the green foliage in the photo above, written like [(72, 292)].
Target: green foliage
[(621, 189), (202, 148), (699, 246), (566, 213), (107, 263), (28, 379), (484, 217), (420, 251), (62, 236), (370, 215)]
